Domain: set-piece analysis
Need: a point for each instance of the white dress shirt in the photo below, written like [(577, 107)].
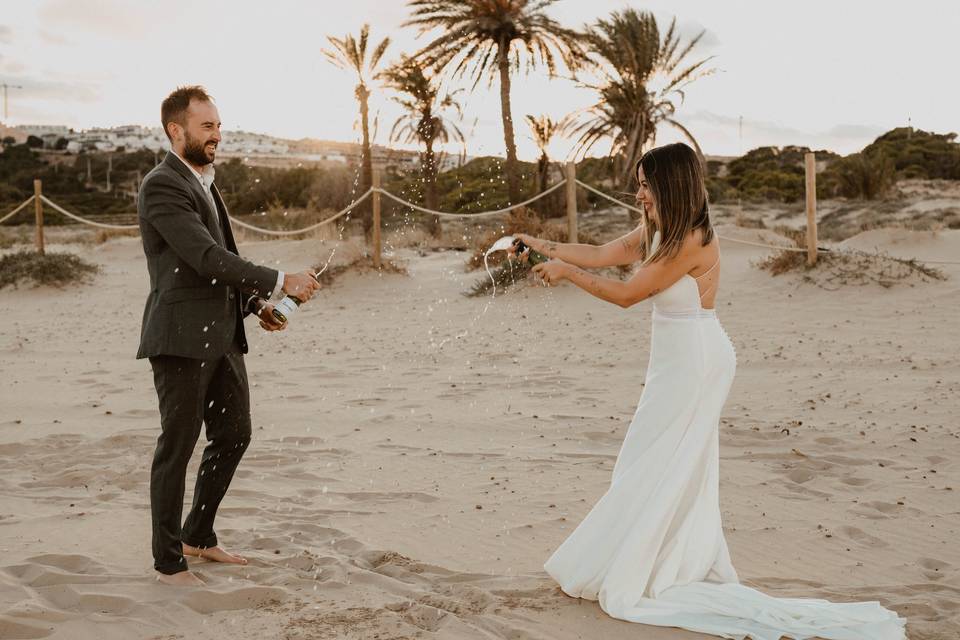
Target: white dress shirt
[(206, 181)]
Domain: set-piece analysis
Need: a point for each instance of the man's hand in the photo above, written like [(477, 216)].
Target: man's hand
[(300, 285), (267, 320)]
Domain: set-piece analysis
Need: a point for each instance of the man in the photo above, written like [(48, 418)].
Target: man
[(192, 332)]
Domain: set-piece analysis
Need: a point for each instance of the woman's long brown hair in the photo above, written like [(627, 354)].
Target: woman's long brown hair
[(674, 175)]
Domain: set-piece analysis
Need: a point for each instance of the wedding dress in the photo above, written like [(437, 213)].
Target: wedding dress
[(652, 549)]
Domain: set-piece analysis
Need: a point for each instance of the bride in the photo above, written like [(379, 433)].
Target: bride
[(652, 549)]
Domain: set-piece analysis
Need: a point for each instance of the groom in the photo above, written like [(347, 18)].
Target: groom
[(192, 332)]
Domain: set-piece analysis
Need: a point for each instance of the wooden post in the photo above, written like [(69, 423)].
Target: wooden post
[(571, 188), (811, 184), (376, 217), (38, 207)]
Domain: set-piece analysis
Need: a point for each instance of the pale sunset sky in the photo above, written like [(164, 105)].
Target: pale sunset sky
[(821, 73)]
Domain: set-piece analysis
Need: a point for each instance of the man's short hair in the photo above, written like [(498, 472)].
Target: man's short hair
[(174, 107)]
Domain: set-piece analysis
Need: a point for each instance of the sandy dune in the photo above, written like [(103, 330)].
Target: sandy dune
[(417, 455)]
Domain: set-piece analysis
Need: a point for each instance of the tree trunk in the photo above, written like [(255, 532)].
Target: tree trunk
[(366, 162), (543, 168), (429, 170), (513, 177), (544, 205), (631, 156)]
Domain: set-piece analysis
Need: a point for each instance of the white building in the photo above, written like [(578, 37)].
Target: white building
[(243, 142), (40, 130)]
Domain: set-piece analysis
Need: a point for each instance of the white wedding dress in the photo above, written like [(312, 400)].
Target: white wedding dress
[(652, 549)]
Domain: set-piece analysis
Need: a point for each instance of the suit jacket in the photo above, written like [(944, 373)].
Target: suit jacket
[(199, 285)]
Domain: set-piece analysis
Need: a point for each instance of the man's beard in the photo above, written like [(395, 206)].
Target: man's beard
[(195, 151)]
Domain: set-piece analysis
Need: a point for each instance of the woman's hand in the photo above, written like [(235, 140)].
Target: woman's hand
[(525, 239), (552, 272)]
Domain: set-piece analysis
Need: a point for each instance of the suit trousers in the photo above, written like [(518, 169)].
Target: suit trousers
[(191, 392)]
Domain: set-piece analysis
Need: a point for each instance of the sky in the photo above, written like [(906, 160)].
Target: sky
[(822, 73)]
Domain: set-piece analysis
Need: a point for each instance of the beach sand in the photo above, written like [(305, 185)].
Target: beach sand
[(418, 455)]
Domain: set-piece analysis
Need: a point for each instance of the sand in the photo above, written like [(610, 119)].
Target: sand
[(417, 454)]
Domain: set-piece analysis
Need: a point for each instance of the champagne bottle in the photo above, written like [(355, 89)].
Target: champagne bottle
[(287, 307), (533, 257)]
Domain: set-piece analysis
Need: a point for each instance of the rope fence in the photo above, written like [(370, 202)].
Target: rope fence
[(81, 219), (16, 210), (333, 218), (479, 214), (570, 178)]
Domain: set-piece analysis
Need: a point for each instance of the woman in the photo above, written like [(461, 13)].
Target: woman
[(652, 549)]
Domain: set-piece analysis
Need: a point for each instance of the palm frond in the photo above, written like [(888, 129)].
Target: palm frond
[(628, 52)]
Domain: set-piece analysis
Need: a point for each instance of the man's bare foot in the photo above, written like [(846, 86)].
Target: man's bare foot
[(181, 579), (213, 554)]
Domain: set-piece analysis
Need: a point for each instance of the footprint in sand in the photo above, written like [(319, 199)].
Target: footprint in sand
[(604, 437), (855, 482), (934, 569), (882, 507), (385, 496), (206, 601), (801, 475), (425, 617), (54, 569), (861, 536), (67, 598), (73, 563)]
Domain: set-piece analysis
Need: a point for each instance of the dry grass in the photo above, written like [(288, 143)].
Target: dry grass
[(835, 269), (11, 236), (741, 219), (361, 266), (353, 256), (25, 234), (506, 274), (106, 235), (52, 269)]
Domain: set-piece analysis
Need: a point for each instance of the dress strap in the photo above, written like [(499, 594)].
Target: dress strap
[(709, 289), (708, 270)]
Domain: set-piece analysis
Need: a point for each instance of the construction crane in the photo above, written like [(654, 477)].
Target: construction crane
[(5, 87)]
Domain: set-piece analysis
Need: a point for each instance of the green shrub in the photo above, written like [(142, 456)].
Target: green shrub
[(765, 173), (51, 269), (861, 175), (919, 154)]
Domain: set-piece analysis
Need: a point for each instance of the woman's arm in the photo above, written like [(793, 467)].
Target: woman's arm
[(645, 283), (623, 250)]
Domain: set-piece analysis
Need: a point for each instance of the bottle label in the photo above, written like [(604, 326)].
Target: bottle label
[(286, 307)]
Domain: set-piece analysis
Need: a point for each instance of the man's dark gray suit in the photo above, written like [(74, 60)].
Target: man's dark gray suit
[(192, 332)]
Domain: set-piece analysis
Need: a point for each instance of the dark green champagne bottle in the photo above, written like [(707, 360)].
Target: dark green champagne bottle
[(534, 257)]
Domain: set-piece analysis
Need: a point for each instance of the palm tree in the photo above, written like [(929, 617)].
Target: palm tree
[(630, 56), (544, 129), (351, 53), (423, 120), (495, 38)]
